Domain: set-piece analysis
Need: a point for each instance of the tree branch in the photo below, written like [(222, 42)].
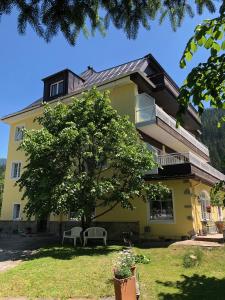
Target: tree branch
[(107, 210)]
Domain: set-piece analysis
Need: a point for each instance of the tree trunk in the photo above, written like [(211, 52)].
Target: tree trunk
[(86, 221)]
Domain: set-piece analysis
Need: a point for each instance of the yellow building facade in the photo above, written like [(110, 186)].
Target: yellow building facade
[(142, 90)]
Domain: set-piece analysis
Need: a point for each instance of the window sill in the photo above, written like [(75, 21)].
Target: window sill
[(161, 222)]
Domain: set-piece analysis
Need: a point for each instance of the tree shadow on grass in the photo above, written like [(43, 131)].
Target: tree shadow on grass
[(195, 287), (65, 253)]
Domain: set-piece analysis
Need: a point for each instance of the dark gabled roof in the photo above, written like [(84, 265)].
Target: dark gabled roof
[(92, 77), (60, 72)]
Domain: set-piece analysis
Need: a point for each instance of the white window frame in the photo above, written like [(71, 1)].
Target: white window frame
[(220, 213), (204, 202), (169, 221), (57, 88), (20, 127), (19, 217), (11, 173), (76, 219)]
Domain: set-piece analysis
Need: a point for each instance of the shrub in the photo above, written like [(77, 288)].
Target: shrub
[(123, 264), (141, 259), (192, 258), (123, 272)]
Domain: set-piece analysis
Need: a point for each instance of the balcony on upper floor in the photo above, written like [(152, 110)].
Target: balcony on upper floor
[(156, 123), (177, 163)]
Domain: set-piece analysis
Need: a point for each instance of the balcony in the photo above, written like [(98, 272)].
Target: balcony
[(188, 158), (155, 122)]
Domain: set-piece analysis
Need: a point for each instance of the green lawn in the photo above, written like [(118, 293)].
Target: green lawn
[(67, 272)]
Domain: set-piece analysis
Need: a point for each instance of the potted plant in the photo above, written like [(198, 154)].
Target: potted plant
[(208, 209), (220, 226), (124, 276)]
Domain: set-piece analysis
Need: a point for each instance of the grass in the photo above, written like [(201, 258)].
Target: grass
[(67, 272)]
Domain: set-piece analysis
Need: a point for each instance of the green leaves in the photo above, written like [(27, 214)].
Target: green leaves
[(206, 82), (223, 45), (208, 43), (217, 196), (85, 155), (157, 191), (2, 177), (47, 18)]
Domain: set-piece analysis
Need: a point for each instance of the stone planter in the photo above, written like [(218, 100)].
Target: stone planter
[(125, 289)]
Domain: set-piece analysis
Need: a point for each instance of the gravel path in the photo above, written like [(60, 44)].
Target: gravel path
[(14, 248)]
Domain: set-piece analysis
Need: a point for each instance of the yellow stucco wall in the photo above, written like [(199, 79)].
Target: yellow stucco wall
[(197, 188), (187, 209), (123, 100), (181, 225)]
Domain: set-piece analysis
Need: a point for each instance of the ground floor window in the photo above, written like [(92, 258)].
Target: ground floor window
[(162, 208), (15, 170), (16, 211), (205, 206), (74, 216), (220, 213)]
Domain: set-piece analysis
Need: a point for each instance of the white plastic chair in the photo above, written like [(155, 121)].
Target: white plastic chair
[(73, 233), (95, 233)]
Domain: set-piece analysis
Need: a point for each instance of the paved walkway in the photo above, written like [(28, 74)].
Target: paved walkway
[(197, 243), (24, 298), (14, 249)]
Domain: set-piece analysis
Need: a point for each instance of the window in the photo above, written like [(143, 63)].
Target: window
[(56, 88), (220, 213), (19, 133), (74, 216), (15, 170), (205, 203), (77, 215), (16, 211), (161, 209)]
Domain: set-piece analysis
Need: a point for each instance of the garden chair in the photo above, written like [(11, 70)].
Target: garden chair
[(95, 233), (73, 233)]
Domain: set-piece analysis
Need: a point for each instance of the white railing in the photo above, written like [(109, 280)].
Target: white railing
[(188, 157), (173, 159), (148, 113)]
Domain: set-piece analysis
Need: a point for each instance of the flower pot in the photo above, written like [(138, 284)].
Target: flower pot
[(220, 226), (208, 209), (125, 289)]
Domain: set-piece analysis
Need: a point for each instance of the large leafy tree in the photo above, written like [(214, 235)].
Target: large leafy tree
[(84, 156), (48, 17), (206, 82)]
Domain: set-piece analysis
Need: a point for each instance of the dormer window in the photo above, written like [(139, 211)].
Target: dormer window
[(56, 88), (60, 84)]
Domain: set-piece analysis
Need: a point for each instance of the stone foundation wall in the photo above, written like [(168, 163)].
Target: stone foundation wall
[(18, 226), (114, 229)]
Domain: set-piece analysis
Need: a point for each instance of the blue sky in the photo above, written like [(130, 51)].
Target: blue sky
[(25, 60)]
